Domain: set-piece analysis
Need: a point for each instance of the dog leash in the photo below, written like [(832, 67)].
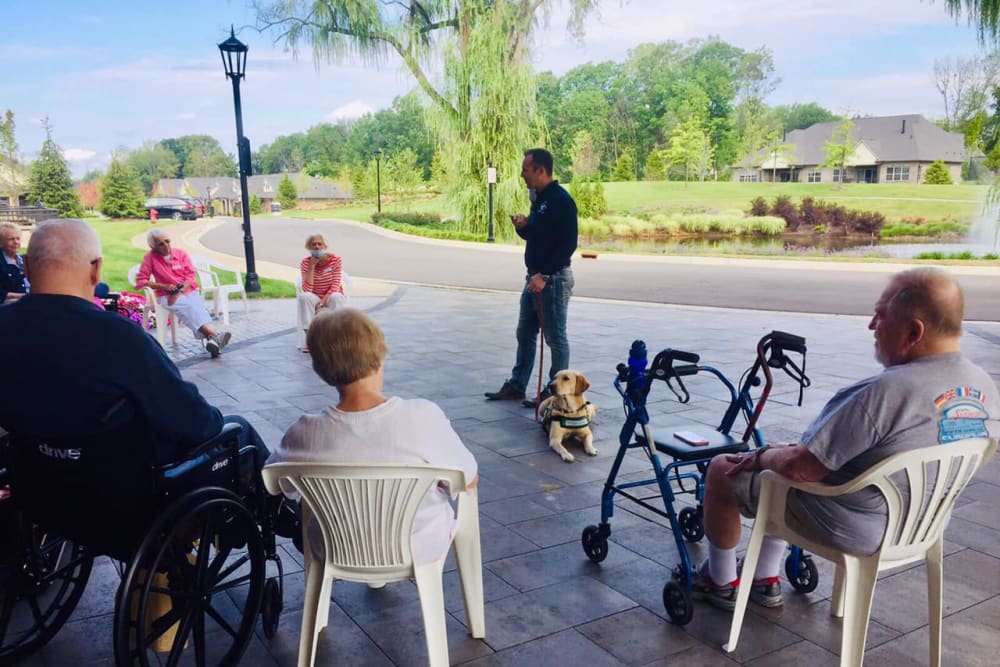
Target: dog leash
[(541, 351)]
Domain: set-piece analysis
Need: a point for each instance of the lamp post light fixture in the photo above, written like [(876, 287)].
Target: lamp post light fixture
[(491, 180), (234, 59), (379, 154)]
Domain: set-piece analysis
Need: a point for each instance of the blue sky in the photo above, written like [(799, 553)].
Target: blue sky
[(114, 74)]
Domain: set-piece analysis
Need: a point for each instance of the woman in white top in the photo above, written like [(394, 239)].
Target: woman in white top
[(348, 349)]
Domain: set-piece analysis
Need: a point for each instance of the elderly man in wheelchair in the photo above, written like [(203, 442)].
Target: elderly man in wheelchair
[(129, 461)]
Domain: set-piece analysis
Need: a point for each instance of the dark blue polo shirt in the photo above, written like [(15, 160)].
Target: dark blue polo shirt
[(551, 232)]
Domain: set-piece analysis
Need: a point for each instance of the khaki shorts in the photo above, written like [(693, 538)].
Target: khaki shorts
[(746, 488)]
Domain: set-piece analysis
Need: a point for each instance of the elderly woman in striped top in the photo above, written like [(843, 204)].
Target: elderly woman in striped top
[(322, 285)]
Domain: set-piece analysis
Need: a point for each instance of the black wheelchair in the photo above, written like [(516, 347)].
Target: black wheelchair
[(191, 539)]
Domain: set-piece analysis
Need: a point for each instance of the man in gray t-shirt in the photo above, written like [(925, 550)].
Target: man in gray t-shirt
[(928, 393)]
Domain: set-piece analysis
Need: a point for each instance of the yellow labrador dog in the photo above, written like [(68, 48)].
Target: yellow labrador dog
[(567, 414)]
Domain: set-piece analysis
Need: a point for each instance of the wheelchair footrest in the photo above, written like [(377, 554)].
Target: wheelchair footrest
[(718, 443)]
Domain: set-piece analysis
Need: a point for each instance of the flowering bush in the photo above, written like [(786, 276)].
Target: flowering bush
[(130, 306)]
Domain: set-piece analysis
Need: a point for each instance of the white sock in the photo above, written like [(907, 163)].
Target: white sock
[(772, 550), (721, 564)]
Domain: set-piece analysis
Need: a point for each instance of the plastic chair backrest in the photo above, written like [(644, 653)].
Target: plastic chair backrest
[(132, 273), (935, 476), (365, 511)]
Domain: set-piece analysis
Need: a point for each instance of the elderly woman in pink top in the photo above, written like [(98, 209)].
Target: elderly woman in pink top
[(322, 281), (169, 272)]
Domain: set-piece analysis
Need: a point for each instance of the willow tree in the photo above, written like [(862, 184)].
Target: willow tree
[(471, 59)]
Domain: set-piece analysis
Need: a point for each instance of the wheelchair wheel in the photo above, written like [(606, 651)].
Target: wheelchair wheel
[(677, 602), (270, 608), (692, 526), (175, 592), (42, 577), (806, 578), (595, 544)]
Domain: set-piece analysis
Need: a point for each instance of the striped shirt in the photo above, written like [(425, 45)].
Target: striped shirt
[(326, 276)]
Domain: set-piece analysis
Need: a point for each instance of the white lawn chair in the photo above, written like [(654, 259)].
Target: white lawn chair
[(223, 290), (366, 515), (161, 316), (209, 284), (935, 476)]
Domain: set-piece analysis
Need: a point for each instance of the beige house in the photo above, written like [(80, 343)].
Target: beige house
[(224, 191), (890, 149)]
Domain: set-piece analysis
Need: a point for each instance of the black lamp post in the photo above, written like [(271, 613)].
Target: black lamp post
[(378, 177), (491, 180), (234, 59)]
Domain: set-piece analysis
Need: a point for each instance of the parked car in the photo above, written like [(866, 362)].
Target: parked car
[(172, 207), (199, 205)]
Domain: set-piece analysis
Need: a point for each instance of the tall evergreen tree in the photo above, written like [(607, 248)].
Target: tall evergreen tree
[(121, 192), (288, 196), (50, 182)]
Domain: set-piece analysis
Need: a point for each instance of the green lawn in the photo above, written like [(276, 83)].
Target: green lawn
[(933, 203), (120, 256)]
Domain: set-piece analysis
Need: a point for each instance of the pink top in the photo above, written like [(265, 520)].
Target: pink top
[(326, 276), (174, 268)]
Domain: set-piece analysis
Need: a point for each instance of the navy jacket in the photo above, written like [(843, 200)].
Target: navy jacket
[(12, 277), (551, 232), (77, 370)]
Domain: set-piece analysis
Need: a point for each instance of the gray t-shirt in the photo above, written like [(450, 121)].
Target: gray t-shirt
[(937, 399)]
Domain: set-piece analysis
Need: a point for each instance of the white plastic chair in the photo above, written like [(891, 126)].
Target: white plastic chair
[(209, 285), (934, 475), (300, 326), (366, 515), (223, 290), (161, 316)]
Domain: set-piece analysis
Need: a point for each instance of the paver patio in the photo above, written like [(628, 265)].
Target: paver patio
[(546, 603)]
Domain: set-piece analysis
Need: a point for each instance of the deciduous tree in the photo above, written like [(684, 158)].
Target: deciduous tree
[(840, 147), (470, 57), (691, 147)]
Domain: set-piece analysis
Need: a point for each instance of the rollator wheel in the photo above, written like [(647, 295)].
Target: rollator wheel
[(175, 592), (807, 577), (41, 580), (595, 545), (270, 608), (692, 527), (677, 602)]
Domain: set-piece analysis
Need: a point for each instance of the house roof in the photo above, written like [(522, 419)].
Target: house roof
[(264, 186), (907, 138)]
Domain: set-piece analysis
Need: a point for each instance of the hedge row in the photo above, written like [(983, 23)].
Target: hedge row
[(820, 216)]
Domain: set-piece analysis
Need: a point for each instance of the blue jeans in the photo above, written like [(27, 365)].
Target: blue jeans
[(555, 305)]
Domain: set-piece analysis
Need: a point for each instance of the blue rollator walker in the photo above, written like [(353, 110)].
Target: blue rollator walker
[(691, 448)]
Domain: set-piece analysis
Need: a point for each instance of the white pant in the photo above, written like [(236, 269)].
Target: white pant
[(307, 302), (190, 310)]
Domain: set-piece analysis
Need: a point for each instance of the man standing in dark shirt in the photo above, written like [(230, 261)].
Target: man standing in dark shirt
[(550, 233)]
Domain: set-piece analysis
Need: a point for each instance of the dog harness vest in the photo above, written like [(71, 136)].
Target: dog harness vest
[(567, 420)]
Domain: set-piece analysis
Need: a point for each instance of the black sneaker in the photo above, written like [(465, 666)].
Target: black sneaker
[(506, 393), (703, 588), (212, 346)]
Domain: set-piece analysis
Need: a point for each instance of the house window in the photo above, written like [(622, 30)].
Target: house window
[(837, 178), (748, 178), (268, 187), (897, 174), (815, 177)]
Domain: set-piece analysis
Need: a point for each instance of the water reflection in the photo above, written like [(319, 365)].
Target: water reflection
[(793, 244)]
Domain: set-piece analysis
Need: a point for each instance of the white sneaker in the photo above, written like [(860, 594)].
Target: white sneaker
[(212, 346), (223, 339)]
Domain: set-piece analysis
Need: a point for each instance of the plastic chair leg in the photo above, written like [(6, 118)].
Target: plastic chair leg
[(469, 559), (746, 581), (222, 305), (860, 575), (837, 600), (315, 576), (431, 591), (935, 603)]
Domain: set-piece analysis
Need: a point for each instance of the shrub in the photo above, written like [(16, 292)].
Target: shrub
[(991, 255), (287, 195), (936, 254), (256, 207), (784, 208), (665, 223), (593, 228), (758, 206), (937, 174), (589, 198), (416, 219)]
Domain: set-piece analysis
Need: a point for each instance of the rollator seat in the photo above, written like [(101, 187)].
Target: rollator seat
[(718, 443)]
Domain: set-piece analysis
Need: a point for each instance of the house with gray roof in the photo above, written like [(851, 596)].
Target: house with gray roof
[(890, 149), (224, 191)]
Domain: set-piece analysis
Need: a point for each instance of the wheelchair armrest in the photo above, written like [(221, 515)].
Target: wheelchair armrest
[(228, 432)]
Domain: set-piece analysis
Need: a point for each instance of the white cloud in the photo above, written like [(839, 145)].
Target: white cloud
[(78, 154), (355, 109), (186, 116)]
